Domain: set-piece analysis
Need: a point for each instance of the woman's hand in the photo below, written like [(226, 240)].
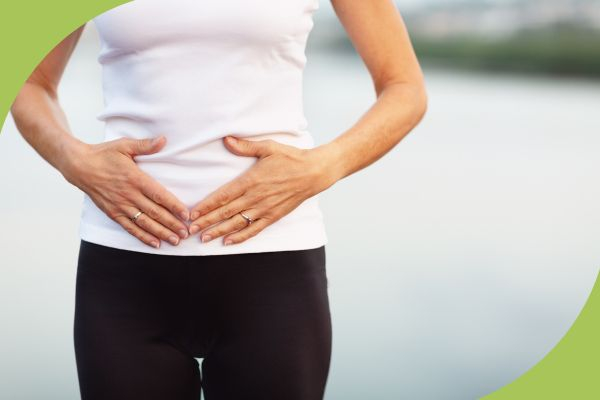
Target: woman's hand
[(107, 172), (282, 178)]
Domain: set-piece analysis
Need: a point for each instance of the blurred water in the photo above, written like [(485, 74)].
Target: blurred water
[(455, 262)]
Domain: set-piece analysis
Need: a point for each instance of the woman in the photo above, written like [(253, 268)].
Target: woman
[(195, 244)]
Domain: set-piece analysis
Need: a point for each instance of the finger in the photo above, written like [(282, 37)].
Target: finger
[(249, 231), (220, 214), (135, 147), (159, 195), (221, 196), (161, 215), (232, 224), (253, 148), (148, 224), (138, 232)]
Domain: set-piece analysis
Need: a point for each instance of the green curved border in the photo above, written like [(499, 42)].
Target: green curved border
[(570, 371), (30, 29)]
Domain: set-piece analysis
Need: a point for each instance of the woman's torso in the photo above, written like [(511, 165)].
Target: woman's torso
[(195, 72)]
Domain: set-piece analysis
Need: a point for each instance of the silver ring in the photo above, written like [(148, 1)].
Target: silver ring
[(136, 216), (247, 218)]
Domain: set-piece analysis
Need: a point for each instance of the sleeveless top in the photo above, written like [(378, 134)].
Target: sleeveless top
[(196, 72)]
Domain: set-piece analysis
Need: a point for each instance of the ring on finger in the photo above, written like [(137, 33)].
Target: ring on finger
[(136, 216), (247, 218)]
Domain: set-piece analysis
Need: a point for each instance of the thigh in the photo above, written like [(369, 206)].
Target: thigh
[(127, 312), (275, 334)]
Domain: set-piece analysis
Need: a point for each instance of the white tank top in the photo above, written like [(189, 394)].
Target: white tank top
[(196, 71)]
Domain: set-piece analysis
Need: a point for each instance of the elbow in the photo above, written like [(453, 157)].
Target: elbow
[(16, 108), (412, 98), (421, 103), (28, 93)]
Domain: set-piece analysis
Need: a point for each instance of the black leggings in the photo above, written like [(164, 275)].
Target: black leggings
[(260, 321)]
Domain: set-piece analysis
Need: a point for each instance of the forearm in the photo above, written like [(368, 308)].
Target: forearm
[(398, 109), (42, 123)]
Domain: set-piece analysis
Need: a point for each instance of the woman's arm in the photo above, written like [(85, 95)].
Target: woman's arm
[(107, 171), (37, 113), (379, 35), (285, 176)]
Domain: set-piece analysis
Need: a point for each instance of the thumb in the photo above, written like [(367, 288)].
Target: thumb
[(146, 146), (252, 148)]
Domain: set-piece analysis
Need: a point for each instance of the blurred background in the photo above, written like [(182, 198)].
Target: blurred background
[(455, 262)]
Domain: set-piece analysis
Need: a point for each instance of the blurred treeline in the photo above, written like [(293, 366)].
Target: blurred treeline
[(559, 37), (568, 50)]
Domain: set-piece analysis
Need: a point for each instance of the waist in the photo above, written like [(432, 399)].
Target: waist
[(193, 166)]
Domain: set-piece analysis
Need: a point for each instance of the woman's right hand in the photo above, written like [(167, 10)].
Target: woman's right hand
[(108, 174)]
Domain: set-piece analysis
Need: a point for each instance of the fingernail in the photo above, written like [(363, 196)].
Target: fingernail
[(173, 239), (228, 242), (206, 238), (155, 244), (194, 229), (184, 215), (232, 139), (195, 215), (183, 233)]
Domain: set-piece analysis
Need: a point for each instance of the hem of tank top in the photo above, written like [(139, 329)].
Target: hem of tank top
[(277, 242)]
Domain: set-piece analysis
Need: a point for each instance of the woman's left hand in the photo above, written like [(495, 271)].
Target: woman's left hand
[(282, 178)]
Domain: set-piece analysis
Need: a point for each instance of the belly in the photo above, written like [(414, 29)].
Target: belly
[(193, 165)]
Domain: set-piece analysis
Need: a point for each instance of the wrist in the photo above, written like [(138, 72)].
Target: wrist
[(72, 152), (329, 160)]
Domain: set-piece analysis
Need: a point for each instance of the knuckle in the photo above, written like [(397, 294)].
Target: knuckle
[(165, 234), (271, 218), (130, 229), (153, 213), (138, 234), (241, 236), (267, 214), (224, 213), (175, 228), (143, 222), (256, 195), (133, 232), (149, 227), (196, 209), (157, 197), (253, 228), (251, 232), (222, 197), (241, 224)]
